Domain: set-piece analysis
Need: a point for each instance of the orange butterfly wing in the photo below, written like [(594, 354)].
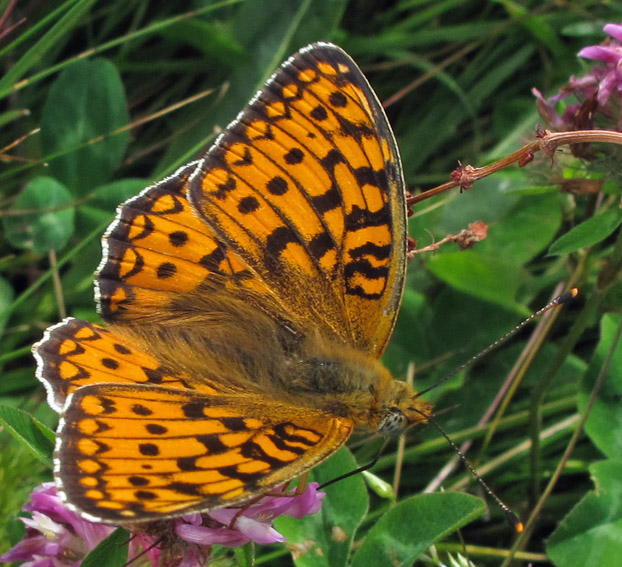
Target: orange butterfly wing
[(306, 187), (137, 442), (302, 211), (145, 453), (74, 353), (157, 251), (295, 219)]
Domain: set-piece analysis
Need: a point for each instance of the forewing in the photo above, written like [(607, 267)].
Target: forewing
[(306, 187), (158, 251), (75, 353), (138, 453)]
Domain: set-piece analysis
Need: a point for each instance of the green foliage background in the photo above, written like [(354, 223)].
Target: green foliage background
[(95, 78)]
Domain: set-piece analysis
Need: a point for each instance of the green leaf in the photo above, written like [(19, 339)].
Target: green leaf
[(49, 221), (35, 436), (587, 233), (111, 552), (209, 37), (410, 336), (408, 529), (591, 534), (604, 425), (325, 538), (11, 115), (525, 230), (485, 277), (519, 226), (85, 102), (490, 201)]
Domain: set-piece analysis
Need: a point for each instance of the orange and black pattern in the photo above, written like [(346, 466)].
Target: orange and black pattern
[(157, 250), (153, 452), (75, 353), (249, 297), (306, 185)]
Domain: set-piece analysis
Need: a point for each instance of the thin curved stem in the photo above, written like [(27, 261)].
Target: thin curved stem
[(465, 176)]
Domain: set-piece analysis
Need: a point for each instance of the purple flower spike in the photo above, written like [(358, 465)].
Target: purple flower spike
[(55, 536), (599, 92), (58, 537), (233, 527), (614, 30), (548, 112)]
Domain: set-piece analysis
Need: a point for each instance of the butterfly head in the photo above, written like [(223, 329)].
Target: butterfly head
[(402, 408)]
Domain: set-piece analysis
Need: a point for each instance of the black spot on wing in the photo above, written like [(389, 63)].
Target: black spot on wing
[(178, 238), (320, 244), (294, 156), (166, 270), (110, 363), (327, 201), (277, 186), (156, 429), (149, 449), (122, 349), (139, 409), (248, 205)]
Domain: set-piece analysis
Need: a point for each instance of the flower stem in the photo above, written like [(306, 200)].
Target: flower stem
[(465, 176)]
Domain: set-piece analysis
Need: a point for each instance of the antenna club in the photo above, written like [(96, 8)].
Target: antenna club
[(513, 520), (568, 295)]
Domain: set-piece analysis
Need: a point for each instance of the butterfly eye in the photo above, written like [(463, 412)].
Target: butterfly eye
[(393, 423)]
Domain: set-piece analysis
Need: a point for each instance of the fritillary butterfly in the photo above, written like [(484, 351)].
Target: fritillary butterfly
[(248, 299)]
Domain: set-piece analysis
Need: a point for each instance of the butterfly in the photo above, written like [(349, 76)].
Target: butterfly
[(248, 299)]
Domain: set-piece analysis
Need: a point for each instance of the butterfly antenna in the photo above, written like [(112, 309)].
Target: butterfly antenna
[(565, 297), (511, 517), (359, 469)]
